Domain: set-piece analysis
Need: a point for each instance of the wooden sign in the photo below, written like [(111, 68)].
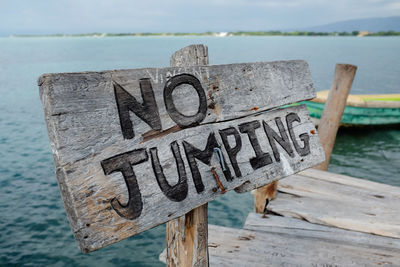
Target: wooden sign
[(136, 148)]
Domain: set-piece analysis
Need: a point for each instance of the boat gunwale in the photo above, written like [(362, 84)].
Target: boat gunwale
[(363, 101)]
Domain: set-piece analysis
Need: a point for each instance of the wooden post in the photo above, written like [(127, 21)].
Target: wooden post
[(187, 236), (334, 108), (263, 195)]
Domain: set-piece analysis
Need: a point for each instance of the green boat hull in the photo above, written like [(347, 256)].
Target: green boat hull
[(359, 115)]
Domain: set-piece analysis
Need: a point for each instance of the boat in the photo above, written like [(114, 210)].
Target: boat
[(360, 110)]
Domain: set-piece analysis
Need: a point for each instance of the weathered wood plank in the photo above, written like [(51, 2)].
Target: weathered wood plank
[(349, 181), (282, 241), (300, 228), (88, 192), (327, 130), (336, 200), (135, 148), (187, 236), (83, 104), (233, 247)]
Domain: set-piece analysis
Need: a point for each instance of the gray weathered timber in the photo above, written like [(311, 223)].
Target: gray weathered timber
[(124, 165), (327, 128), (187, 236), (81, 107), (305, 236), (383, 250), (88, 192), (341, 201), (300, 228), (292, 242)]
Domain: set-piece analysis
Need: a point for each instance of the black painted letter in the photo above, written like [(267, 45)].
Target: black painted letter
[(261, 159), (148, 111), (232, 151), (193, 153), (176, 116), (176, 192), (283, 139), (123, 163), (305, 150)]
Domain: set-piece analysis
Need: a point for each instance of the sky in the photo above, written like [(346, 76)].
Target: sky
[(116, 16)]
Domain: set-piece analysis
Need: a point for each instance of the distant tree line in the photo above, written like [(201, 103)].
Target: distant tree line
[(388, 33), (307, 33), (238, 33)]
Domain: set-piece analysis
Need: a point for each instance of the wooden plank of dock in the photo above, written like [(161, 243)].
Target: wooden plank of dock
[(288, 241), (341, 201), (318, 219)]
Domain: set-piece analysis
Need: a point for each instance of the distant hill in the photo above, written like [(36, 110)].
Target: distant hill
[(370, 24)]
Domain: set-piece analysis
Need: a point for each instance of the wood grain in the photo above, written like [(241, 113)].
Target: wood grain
[(83, 104), (101, 171), (283, 241), (187, 236), (341, 201), (334, 108), (329, 125), (263, 195)]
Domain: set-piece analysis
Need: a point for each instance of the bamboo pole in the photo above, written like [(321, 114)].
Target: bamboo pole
[(334, 108), (187, 236)]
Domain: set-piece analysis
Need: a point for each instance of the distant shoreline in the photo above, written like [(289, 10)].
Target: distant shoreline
[(221, 34)]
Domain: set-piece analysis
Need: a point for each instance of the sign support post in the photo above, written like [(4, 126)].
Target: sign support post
[(187, 236)]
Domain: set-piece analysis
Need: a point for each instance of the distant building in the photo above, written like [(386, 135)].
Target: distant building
[(363, 33), (221, 34)]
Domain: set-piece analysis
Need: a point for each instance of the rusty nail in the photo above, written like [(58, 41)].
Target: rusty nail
[(223, 191)]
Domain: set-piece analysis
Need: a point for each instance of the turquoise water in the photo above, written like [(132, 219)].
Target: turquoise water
[(33, 226)]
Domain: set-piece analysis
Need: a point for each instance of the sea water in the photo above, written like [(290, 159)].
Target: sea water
[(34, 228)]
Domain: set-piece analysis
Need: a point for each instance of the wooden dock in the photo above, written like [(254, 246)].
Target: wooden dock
[(317, 219)]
